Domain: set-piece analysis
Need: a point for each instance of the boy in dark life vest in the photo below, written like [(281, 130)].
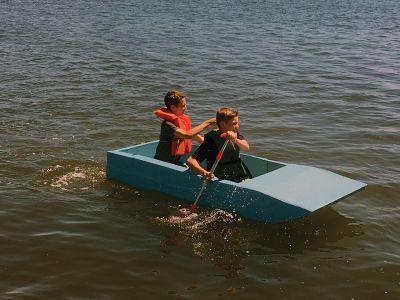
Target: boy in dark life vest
[(176, 131), (230, 167)]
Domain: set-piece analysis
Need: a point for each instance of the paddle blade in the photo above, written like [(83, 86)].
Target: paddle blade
[(194, 207)]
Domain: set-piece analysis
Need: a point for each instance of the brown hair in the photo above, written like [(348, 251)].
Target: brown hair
[(173, 98), (225, 114)]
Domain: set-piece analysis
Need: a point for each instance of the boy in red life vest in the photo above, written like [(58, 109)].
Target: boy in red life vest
[(176, 131), (230, 167)]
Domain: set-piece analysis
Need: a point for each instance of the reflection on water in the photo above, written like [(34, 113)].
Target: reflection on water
[(227, 239)]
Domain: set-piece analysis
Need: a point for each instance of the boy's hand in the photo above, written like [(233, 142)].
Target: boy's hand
[(211, 121), (207, 175), (231, 135)]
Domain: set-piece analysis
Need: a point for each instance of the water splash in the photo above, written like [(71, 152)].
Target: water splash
[(194, 222), (216, 216), (183, 216), (66, 179), (210, 233), (72, 177)]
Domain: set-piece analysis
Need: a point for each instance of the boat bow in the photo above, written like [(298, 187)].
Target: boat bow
[(307, 187)]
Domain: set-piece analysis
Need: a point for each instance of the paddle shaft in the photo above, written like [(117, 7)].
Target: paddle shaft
[(218, 158)]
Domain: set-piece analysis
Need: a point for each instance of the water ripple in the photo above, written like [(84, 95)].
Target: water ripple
[(315, 83)]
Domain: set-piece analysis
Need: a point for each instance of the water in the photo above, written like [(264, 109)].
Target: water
[(315, 83)]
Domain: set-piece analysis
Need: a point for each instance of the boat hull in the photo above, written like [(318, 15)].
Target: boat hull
[(278, 192)]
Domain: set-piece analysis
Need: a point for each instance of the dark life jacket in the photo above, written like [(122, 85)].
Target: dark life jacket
[(231, 166)]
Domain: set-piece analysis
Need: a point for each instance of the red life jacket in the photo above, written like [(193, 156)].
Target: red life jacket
[(178, 146)]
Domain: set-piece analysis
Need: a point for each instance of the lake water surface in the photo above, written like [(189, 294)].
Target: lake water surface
[(315, 82)]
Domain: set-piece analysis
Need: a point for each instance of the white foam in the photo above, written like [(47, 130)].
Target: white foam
[(66, 179), (190, 221), (183, 215)]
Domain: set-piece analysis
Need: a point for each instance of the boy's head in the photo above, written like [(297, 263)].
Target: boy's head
[(175, 101), (227, 119)]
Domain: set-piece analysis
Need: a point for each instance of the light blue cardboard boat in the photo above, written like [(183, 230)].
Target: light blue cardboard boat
[(278, 192)]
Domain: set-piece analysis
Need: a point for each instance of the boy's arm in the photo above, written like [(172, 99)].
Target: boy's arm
[(194, 165), (198, 138), (188, 134), (242, 143)]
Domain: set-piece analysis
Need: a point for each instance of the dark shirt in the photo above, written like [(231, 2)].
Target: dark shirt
[(163, 151), (208, 150), (231, 167)]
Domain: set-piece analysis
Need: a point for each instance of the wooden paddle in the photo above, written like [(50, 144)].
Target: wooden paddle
[(218, 158)]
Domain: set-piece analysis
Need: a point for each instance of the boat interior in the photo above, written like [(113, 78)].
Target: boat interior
[(257, 165)]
